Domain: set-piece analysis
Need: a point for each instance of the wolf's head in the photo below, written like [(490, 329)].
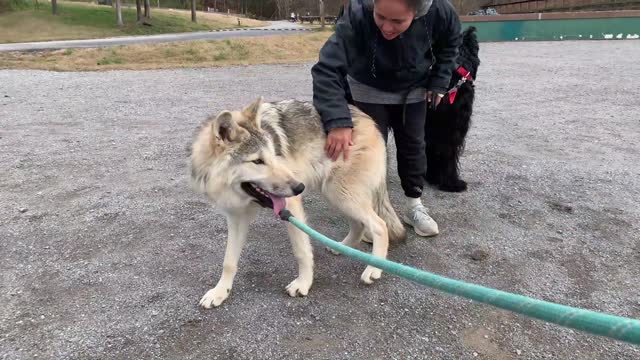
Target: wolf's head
[(234, 161)]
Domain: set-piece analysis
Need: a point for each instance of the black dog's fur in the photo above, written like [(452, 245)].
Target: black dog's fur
[(446, 127)]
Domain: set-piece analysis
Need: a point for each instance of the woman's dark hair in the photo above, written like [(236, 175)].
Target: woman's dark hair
[(414, 5)]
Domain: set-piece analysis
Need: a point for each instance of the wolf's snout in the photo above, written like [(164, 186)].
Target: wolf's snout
[(297, 188)]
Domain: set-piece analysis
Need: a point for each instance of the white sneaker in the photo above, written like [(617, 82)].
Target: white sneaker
[(422, 223)]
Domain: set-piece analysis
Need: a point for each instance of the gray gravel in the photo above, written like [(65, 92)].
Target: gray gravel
[(105, 251)]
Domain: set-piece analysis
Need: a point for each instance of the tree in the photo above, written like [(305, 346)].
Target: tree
[(54, 7), (119, 13), (283, 7), (272, 9), (138, 10), (147, 9), (322, 14), (193, 10)]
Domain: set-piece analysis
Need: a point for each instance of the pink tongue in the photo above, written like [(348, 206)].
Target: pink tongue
[(279, 203)]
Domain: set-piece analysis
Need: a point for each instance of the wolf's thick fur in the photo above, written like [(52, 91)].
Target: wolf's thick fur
[(246, 159), (447, 126)]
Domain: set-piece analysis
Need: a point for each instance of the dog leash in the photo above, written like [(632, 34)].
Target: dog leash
[(611, 326)]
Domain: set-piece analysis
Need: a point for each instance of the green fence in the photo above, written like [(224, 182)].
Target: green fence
[(535, 27)]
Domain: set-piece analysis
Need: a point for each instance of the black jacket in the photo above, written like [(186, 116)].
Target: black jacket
[(423, 56)]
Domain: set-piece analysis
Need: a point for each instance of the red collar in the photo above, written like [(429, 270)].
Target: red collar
[(465, 73), (465, 76)]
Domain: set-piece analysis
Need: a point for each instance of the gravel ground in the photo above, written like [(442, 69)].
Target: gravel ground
[(106, 252)]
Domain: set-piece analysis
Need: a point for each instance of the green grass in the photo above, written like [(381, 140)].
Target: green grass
[(14, 5), (111, 59), (104, 17), (239, 49), (82, 21), (278, 49), (221, 55)]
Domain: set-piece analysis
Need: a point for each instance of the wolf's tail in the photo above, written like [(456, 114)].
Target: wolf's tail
[(383, 208)]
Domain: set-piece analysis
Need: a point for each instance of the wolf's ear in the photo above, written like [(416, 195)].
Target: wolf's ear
[(251, 112), (225, 128)]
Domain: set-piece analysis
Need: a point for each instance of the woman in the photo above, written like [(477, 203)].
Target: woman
[(394, 56)]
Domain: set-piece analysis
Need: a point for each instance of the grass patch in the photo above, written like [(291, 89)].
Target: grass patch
[(85, 21), (276, 49), (13, 5), (220, 56), (111, 59)]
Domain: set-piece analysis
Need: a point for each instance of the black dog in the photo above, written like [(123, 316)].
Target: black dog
[(447, 125)]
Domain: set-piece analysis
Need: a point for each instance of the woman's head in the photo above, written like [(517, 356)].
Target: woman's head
[(393, 17)]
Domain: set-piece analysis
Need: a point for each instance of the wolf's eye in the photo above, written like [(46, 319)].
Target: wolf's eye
[(258, 162)]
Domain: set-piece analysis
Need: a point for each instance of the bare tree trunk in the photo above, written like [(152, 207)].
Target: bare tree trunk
[(193, 10), (119, 13), (322, 13), (147, 9), (283, 7), (54, 7), (138, 10)]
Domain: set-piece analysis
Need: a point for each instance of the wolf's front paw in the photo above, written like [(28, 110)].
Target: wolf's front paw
[(299, 287), (370, 274), (214, 297)]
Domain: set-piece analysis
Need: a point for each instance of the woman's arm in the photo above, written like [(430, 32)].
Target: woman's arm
[(329, 76), (445, 48)]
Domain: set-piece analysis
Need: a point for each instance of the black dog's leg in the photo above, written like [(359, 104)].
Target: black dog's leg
[(446, 127), (450, 179), (445, 132)]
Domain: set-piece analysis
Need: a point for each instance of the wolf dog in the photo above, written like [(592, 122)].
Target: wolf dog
[(269, 154), (446, 127)]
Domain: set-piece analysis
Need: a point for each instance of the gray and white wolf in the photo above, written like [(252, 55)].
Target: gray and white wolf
[(269, 155)]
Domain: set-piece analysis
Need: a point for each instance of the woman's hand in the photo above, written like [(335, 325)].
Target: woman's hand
[(430, 98), (338, 140)]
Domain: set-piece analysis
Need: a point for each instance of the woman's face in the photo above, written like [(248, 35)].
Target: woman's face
[(393, 17)]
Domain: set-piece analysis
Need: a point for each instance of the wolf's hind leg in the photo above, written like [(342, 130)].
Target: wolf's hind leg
[(358, 207), (356, 230)]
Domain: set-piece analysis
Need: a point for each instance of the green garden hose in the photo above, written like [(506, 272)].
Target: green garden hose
[(610, 326)]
